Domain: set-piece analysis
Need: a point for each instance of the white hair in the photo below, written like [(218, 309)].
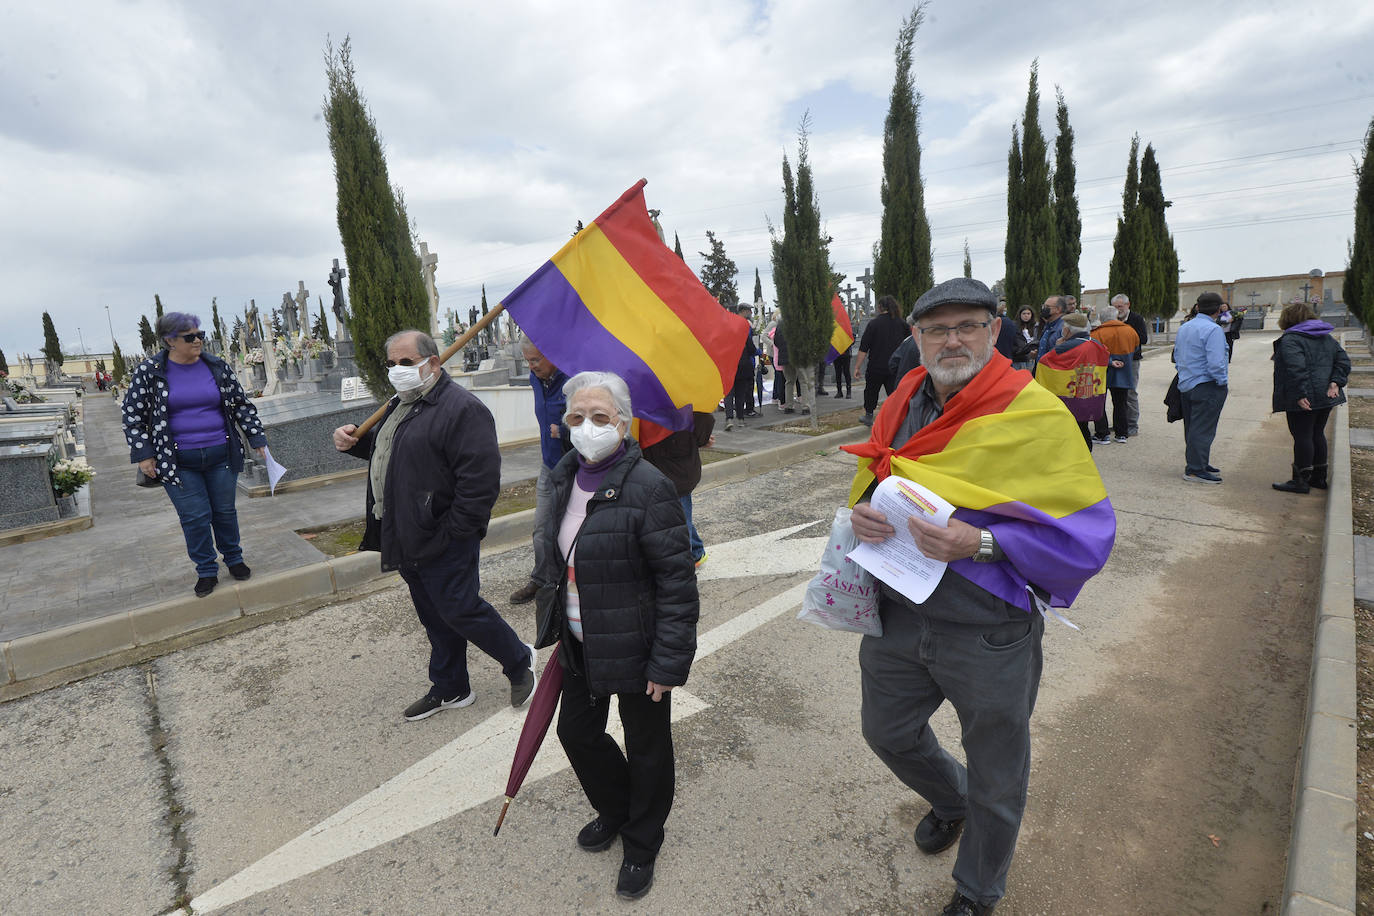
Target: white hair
[(611, 383), (1120, 298), (1106, 313)]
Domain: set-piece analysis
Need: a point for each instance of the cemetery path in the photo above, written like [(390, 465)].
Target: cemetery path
[(271, 771)]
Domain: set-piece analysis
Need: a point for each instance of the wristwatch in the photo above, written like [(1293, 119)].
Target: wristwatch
[(986, 547)]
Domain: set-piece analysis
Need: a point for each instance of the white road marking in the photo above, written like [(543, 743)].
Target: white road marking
[(470, 770)]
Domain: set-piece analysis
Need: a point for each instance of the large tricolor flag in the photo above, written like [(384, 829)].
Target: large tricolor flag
[(1012, 460), (1078, 376), (842, 333), (616, 299)]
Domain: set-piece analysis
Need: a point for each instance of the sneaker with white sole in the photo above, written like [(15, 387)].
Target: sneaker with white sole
[(1201, 477), (522, 688), (431, 703)]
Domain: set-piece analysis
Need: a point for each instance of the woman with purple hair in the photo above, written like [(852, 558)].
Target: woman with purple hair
[(180, 415)]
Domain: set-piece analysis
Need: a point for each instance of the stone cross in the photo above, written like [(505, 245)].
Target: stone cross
[(866, 278), (303, 307), (1306, 288), (336, 277), (253, 324), (269, 362), (429, 263)]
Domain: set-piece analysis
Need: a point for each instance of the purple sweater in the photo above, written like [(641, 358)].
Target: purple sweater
[(193, 406)]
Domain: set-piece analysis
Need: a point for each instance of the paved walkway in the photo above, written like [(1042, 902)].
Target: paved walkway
[(135, 556)]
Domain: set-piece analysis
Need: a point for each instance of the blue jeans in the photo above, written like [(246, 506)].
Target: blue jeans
[(1201, 411), (698, 548), (205, 505)]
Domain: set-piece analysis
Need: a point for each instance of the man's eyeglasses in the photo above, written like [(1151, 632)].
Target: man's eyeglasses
[(405, 361), (598, 419), (966, 331), (192, 338)]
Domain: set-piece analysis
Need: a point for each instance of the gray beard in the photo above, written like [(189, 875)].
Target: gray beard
[(954, 377)]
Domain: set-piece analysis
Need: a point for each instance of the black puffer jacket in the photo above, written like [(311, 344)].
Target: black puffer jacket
[(1307, 360), (635, 578)]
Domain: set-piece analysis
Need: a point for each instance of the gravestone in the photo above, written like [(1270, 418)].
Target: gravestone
[(302, 309), (343, 340), (429, 263), (26, 495), (300, 430), (288, 317)]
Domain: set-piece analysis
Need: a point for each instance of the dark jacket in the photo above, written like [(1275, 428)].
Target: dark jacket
[(1008, 338), (678, 456), (744, 370), (549, 405), (147, 426), (1142, 330), (443, 478), (635, 578), (1049, 337), (880, 339), (906, 357), (1307, 360)]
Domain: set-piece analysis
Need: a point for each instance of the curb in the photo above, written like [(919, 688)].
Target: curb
[(1321, 849), (54, 657)]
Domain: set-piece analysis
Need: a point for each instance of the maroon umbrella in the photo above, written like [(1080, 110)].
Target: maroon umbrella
[(537, 719)]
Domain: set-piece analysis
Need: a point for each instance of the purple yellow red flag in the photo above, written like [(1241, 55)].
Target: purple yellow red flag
[(842, 333), (616, 299), (1011, 459), (1078, 376)]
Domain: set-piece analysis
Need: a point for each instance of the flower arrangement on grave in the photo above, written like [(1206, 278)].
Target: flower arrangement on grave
[(70, 475), (18, 391), (311, 348), (255, 357)]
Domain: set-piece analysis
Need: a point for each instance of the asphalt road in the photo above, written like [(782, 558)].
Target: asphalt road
[(271, 771)]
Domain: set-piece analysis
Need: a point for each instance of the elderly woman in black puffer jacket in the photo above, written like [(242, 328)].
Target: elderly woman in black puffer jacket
[(618, 588), (1310, 369)]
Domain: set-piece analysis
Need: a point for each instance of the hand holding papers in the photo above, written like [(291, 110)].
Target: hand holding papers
[(897, 560)]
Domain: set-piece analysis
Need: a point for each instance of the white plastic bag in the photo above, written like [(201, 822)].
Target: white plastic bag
[(843, 595)]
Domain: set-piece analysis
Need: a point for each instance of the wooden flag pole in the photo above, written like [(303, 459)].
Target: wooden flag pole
[(448, 353)]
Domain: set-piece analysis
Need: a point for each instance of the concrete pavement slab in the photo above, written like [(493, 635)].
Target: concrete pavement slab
[(51, 650), (1328, 760), (182, 615), (1322, 866), (265, 593)]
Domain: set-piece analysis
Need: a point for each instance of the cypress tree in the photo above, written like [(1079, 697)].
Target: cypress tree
[(121, 367), (1358, 289), (52, 347), (157, 304), (321, 329), (968, 261), (278, 329), (1035, 275), (1135, 267), (801, 265), (1015, 217), (902, 262), (758, 286), (677, 246), (385, 285), (236, 333), (1067, 222), (1153, 205), (4, 366), (214, 320), (146, 336), (719, 271)]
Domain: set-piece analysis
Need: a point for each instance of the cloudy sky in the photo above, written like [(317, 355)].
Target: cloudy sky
[(151, 146)]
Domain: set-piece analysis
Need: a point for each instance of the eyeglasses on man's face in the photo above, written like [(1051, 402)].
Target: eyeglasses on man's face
[(193, 336), (406, 361), (599, 418), (966, 330)]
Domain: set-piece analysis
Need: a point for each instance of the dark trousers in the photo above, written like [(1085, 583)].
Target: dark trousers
[(820, 378), (454, 614), (1201, 410), (205, 507), (740, 397), (873, 381), (633, 794), (991, 675), (842, 374), (1309, 436), (1120, 424), (779, 386), (758, 383)]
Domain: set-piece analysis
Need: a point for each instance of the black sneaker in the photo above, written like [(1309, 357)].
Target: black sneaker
[(935, 835), (751, 414), (205, 585), (597, 836), (959, 905), (523, 686), (635, 879), (866, 419), (431, 703), (525, 593), (241, 571)]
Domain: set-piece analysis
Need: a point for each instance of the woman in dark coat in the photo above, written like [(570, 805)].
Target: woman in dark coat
[(618, 589), (1310, 369)]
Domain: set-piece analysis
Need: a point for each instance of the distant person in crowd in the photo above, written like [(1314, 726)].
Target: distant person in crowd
[(1200, 355), (1006, 338), (764, 361), (1310, 369), (1027, 331), (800, 377), (907, 356), (626, 624), (546, 380), (882, 335), (1121, 341), (780, 394), (1233, 330), (739, 399), (844, 379), (182, 417), (1051, 323), (1140, 326), (1087, 355), (976, 640), (678, 457), (434, 472)]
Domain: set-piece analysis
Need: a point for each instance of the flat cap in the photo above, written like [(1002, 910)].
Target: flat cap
[(959, 291)]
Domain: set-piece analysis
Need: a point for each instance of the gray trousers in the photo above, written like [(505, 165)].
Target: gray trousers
[(1133, 401), (990, 674), (543, 513), (807, 379)]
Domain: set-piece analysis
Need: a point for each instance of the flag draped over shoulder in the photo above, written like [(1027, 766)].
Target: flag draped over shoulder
[(1011, 459), (842, 333), (616, 299), (1078, 376)]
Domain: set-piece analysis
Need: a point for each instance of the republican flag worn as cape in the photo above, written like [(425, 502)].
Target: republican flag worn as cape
[(616, 299), (841, 333), (1078, 376), (1011, 459)]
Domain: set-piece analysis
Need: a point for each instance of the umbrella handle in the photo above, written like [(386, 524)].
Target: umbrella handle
[(502, 819)]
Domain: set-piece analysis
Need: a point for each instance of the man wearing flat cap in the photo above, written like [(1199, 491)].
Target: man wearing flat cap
[(1031, 525)]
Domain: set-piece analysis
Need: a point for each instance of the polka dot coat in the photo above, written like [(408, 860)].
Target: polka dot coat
[(146, 425)]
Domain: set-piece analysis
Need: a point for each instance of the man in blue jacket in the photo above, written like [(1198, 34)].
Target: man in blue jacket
[(1052, 313), (549, 403), (1200, 355)]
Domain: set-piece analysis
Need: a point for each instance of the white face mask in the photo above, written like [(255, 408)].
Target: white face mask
[(404, 378), (596, 442)]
